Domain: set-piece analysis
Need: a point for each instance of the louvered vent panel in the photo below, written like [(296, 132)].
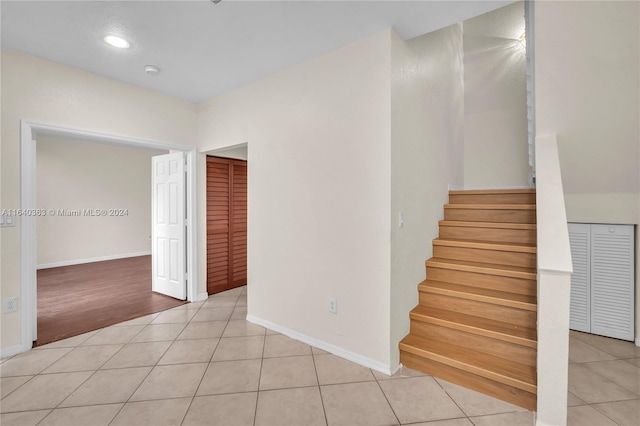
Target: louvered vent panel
[(580, 294), (612, 281)]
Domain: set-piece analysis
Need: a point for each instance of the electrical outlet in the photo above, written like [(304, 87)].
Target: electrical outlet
[(333, 305), (10, 304)]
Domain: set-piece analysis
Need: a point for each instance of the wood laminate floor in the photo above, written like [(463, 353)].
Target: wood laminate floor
[(76, 299)]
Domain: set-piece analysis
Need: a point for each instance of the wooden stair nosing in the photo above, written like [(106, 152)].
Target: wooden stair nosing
[(491, 206), (485, 245), (471, 324), (482, 268), (487, 366), (492, 191), (502, 298), (494, 225)]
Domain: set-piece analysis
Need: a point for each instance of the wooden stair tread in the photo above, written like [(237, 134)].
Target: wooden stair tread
[(492, 191), (480, 294), (483, 268), (486, 245), (491, 206), (477, 325), (501, 370), (494, 225)]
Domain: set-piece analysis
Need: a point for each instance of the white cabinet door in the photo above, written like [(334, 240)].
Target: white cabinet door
[(580, 240), (612, 296), (168, 256), (602, 284)]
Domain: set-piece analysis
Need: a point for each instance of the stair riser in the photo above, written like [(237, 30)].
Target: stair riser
[(469, 380), (522, 236), (480, 309), (492, 282), (526, 198), (482, 215), (484, 344), (527, 260)]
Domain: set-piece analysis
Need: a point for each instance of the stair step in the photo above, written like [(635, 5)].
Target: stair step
[(502, 298), (468, 380), (488, 366), (487, 252), (476, 342), (483, 268), (493, 196), (516, 316), (491, 282), (504, 213), (477, 325), (485, 245), (524, 233)]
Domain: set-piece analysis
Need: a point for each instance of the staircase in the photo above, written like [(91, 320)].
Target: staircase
[(475, 324)]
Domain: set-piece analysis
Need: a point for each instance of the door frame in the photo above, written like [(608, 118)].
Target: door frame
[(28, 242)]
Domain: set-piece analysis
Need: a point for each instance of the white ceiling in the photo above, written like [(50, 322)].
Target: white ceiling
[(205, 49)]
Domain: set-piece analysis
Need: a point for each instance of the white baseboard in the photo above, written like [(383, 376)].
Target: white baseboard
[(341, 352), (637, 342), (10, 351), (93, 259), (202, 296)]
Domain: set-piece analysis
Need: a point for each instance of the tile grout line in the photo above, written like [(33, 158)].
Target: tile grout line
[(385, 397), (597, 348), (155, 365), (604, 414), (90, 375), (315, 367), (452, 399), (255, 413), (150, 370), (206, 369), (124, 404)]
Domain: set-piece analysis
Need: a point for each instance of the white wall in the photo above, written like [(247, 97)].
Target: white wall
[(495, 100), (427, 103), (39, 90), (588, 92), (319, 193), (75, 174)]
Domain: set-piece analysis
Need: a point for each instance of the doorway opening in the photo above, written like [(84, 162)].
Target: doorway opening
[(94, 269), (30, 133), (226, 224)]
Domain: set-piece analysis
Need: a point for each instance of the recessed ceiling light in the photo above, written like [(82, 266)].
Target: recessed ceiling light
[(116, 41)]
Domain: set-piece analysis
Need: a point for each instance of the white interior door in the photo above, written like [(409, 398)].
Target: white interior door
[(168, 226)]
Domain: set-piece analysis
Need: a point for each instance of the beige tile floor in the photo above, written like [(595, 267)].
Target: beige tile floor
[(203, 364)]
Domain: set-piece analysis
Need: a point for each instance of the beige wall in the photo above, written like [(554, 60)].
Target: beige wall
[(495, 100), (319, 193), (427, 104), (75, 174), (588, 93), (39, 90)]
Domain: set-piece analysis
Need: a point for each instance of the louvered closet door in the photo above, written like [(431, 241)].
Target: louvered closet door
[(580, 240), (238, 257), (612, 296), (226, 224)]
